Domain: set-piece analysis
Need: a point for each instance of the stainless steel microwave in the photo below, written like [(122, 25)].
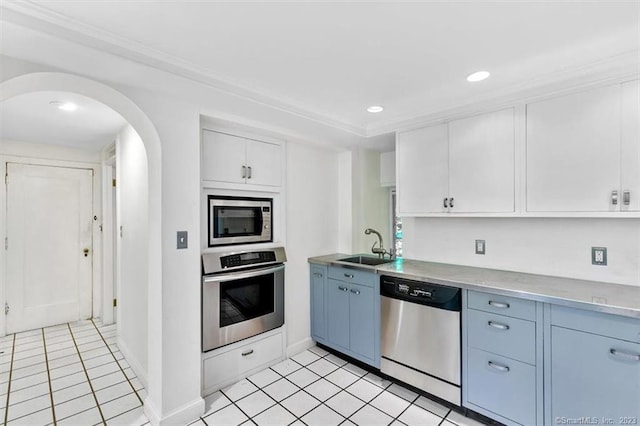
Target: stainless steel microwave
[(239, 220)]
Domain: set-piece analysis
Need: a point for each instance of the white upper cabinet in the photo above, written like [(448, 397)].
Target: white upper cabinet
[(582, 151), (422, 170), (481, 163), (230, 159), (465, 166), (630, 148)]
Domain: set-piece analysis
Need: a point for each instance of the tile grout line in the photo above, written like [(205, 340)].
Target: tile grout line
[(87, 375), (119, 366), (6, 408), (46, 361)]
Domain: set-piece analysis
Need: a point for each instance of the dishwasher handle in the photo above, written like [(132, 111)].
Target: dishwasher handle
[(421, 293)]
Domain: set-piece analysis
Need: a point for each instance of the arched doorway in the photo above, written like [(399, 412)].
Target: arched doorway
[(143, 126)]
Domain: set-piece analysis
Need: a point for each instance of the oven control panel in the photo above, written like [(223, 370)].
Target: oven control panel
[(214, 263), (246, 259)]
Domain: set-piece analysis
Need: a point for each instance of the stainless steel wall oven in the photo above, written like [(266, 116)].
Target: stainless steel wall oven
[(242, 295)]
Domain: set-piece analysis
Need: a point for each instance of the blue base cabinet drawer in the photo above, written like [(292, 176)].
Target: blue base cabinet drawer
[(510, 337), (351, 275), (503, 386), (502, 305)]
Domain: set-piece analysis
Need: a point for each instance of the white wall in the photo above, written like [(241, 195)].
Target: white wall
[(547, 246), (370, 201), (132, 193), (312, 229)]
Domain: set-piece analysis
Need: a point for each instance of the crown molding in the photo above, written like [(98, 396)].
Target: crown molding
[(34, 16)]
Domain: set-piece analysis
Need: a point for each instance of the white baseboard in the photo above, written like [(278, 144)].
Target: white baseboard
[(181, 416), (300, 346), (141, 373)]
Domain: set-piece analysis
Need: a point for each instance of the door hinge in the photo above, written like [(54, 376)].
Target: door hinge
[(115, 302), (6, 308), (6, 243), (113, 182)]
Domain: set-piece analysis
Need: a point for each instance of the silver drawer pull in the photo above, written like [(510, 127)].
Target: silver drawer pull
[(626, 197), (348, 275), (444, 202), (247, 353), (499, 305), (355, 292), (244, 172), (498, 325), (343, 288), (614, 198), (624, 355), (317, 274), (500, 368)]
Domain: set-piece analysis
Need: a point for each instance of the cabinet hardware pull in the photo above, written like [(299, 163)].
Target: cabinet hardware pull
[(498, 325), (501, 368), (626, 197), (445, 202), (499, 305), (249, 175), (343, 288), (246, 353), (451, 202), (624, 355), (317, 274), (348, 275), (614, 198), (356, 292), (244, 172)]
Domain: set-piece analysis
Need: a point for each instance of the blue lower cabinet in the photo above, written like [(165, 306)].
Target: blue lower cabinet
[(345, 311), (338, 314), (502, 385), (594, 377), (318, 303), (361, 322)]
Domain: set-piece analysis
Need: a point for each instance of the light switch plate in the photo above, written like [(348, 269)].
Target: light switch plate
[(183, 240), (480, 246), (599, 256)]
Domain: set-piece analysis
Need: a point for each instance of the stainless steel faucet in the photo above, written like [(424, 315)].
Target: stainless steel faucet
[(380, 250)]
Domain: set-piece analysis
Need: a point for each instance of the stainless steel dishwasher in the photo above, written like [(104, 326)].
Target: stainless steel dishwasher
[(420, 342)]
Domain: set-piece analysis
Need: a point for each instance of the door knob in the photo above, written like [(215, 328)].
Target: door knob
[(86, 252)]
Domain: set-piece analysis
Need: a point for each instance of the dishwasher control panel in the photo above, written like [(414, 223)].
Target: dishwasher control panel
[(424, 293)]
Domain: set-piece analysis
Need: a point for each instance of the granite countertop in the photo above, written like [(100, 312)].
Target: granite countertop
[(598, 296)]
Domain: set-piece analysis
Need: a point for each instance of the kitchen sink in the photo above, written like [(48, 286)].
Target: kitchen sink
[(365, 260)]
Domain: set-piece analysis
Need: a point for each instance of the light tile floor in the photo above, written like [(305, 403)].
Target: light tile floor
[(319, 388), (74, 374), (70, 374)]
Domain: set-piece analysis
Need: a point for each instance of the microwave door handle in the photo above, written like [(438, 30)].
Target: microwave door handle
[(238, 275)]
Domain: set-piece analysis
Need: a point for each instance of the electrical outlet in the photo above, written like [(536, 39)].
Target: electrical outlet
[(599, 256), (480, 246), (183, 239)]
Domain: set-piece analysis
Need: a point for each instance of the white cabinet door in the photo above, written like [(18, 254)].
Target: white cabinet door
[(630, 150), (223, 157), (388, 168), (481, 163), (264, 163), (422, 172), (573, 152)]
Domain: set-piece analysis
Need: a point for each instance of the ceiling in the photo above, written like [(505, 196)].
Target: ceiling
[(330, 60), (31, 118)]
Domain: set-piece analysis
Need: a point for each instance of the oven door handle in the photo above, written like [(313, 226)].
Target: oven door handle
[(238, 275)]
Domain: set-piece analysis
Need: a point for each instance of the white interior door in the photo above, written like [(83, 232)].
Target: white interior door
[(49, 246)]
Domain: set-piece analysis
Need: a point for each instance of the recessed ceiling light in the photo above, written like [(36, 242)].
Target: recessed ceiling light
[(65, 106), (478, 76), (375, 108)]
